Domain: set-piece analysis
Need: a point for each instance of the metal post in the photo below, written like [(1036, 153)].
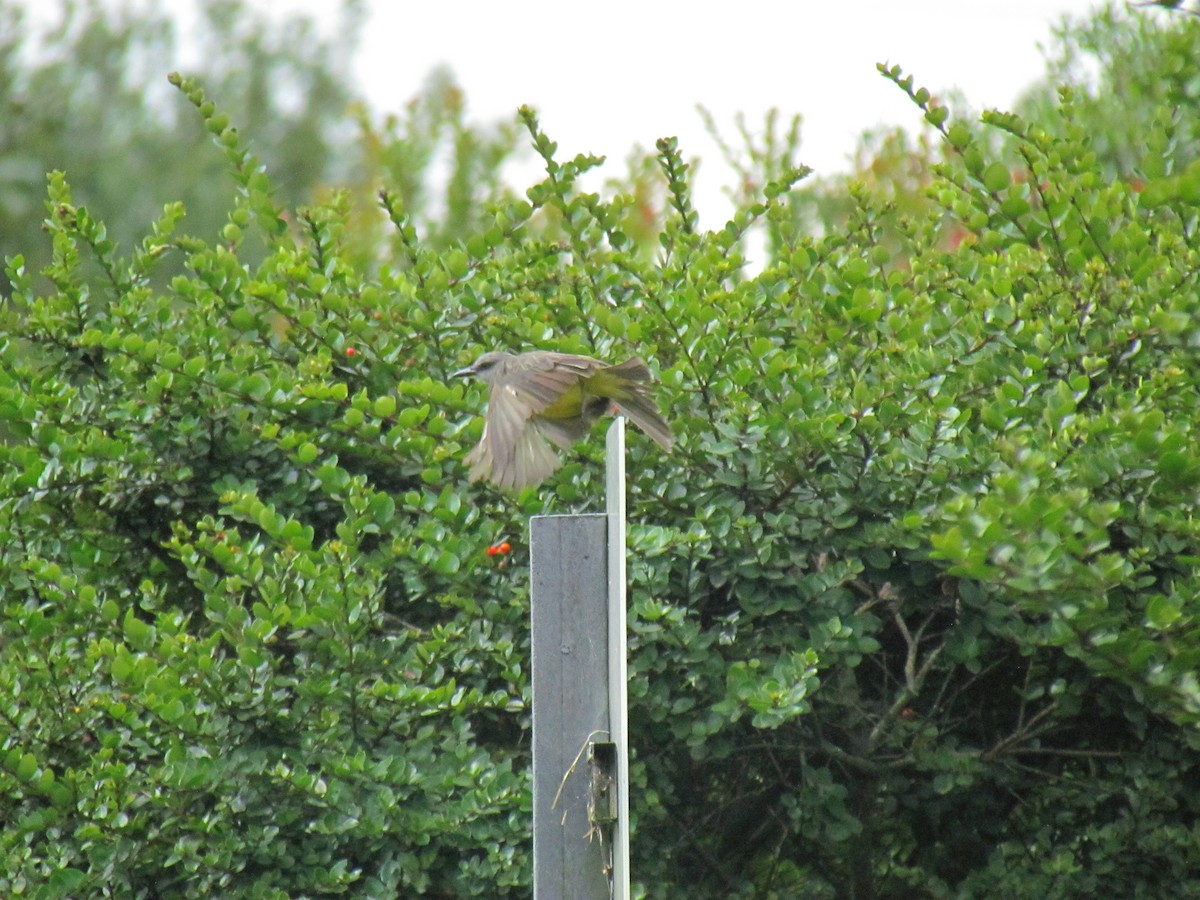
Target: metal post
[(618, 675), (580, 727), (568, 587)]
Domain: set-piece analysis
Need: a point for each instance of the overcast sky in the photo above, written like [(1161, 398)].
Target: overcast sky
[(607, 76)]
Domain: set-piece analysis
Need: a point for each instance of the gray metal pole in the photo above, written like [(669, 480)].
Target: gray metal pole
[(568, 572), (580, 725), (618, 674)]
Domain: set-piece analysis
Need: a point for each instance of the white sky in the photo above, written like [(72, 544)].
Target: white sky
[(620, 72), (607, 76)]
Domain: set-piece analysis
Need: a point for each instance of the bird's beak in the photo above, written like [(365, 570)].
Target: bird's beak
[(463, 373)]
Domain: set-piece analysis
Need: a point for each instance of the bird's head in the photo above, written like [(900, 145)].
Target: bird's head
[(487, 367)]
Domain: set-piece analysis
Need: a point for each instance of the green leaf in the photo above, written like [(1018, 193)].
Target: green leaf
[(996, 177)]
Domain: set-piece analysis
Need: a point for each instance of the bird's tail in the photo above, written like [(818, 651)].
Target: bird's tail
[(642, 411), (635, 402), (633, 369)]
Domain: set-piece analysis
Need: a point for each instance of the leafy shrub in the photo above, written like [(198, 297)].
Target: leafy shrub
[(913, 601)]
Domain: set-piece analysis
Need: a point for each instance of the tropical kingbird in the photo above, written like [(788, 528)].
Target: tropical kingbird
[(543, 396)]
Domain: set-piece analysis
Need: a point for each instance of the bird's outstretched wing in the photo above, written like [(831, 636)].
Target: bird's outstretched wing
[(515, 450), (540, 378), (511, 453)]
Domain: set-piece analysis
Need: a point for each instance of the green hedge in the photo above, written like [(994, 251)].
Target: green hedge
[(913, 601)]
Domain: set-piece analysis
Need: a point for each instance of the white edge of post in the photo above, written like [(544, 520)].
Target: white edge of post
[(618, 675)]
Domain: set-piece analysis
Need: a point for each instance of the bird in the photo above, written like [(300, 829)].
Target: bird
[(541, 397)]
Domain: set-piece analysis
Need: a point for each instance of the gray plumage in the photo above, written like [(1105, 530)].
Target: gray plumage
[(532, 404)]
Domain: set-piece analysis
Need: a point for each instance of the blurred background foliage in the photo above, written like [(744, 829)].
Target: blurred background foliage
[(914, 601), (85, 92)]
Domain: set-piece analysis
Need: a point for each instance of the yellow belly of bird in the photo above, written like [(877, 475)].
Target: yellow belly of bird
[(567, 406), (584, 393)]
